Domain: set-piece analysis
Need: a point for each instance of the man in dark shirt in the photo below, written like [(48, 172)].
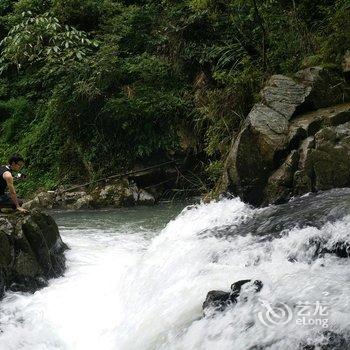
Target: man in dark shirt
[(16, 162)]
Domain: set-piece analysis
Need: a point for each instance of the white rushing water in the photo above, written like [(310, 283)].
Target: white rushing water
[(131, 286)]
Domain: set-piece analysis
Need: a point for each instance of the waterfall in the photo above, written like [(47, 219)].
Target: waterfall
[(134, 283)]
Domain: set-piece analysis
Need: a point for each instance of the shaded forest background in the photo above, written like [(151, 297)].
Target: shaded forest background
[(92, 87)]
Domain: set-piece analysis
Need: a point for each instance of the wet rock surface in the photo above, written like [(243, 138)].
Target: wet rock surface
[(312, 210), (31, 251), (218, 301), (315, 210)]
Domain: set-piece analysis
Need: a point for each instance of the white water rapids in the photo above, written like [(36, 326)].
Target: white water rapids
[(135, 284)]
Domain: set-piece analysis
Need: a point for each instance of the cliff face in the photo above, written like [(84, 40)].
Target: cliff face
[(296, 140), (31, 251)]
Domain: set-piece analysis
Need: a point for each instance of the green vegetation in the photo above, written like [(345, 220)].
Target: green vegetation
[(90, 87)]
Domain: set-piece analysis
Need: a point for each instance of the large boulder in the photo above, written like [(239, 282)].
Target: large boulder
[(271, 146), (320, 161), (279, 184), (253, 154), (31, 251), (329, 161), (326, 87), (284, 95), (116, 194)]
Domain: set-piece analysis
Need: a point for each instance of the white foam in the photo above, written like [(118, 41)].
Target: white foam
[(124, 291)]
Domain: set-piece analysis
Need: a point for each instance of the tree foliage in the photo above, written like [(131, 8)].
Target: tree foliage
[(42, 39), (91, 86)]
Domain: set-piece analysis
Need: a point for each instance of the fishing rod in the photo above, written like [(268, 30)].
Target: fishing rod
[(119, 175)]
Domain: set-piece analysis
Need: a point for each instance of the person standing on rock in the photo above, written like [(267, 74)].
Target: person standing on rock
[(10, 199)]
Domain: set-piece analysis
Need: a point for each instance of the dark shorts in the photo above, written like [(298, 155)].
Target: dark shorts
[(6, 201)]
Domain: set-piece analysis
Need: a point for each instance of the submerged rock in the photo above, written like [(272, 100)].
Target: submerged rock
[(313, 210), (341, 249), (218, 300), (31, 251), (327, 340)]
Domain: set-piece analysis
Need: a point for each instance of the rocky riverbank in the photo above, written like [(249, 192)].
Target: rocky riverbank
[(112, 195), (141, 187), (31, 251), (295, 141)]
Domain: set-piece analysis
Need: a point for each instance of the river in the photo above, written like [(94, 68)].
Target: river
[(136, 278)]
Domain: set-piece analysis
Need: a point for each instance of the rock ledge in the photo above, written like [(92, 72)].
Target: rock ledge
[(31, 251)]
